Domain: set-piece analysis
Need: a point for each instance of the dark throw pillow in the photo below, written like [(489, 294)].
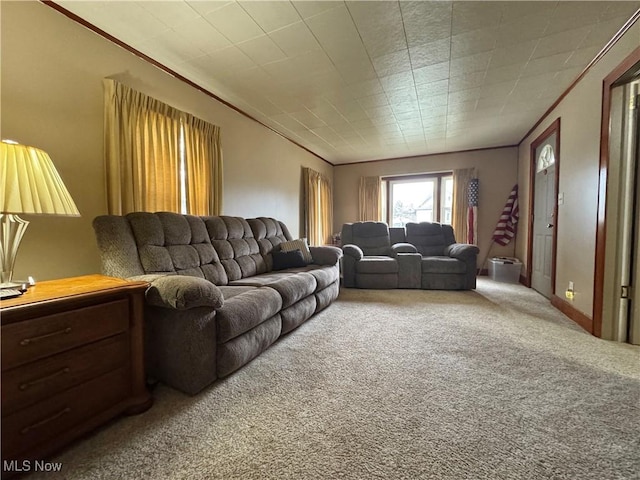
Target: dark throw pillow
[(292, 259)]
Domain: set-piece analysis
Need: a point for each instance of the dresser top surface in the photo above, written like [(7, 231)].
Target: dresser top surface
[(52, 290)]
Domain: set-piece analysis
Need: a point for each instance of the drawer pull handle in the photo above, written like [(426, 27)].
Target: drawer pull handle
[(59, 414), (32, 383), (28, 341)]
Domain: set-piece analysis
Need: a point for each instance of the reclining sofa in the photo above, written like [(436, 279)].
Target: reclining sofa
[(222, 289), (420, 255)]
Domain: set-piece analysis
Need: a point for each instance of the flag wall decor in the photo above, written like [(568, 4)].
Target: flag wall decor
[(507, 225), (472, 210)]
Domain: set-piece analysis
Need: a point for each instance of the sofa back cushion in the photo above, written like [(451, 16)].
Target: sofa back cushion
[(236, 246), (429, 238), (371, 237), (174, 243)]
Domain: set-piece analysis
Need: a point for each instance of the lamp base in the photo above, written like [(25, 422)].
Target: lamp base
[(12, 228), (4, 285)]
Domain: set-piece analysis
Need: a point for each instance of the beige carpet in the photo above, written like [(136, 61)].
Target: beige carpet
[(491, 384)]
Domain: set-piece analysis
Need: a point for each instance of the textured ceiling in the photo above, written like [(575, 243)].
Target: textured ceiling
[(358, 81)]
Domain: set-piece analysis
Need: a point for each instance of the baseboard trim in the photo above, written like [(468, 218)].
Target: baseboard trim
[(573, 313)]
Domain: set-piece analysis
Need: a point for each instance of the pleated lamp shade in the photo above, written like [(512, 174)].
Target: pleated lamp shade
[(31, 184)]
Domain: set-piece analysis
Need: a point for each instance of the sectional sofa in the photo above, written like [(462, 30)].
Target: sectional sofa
[(420, 255), (222, 289)]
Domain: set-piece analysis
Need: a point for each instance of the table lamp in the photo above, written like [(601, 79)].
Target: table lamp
[(29, 184)]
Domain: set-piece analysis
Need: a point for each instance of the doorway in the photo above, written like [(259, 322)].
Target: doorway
[(616, 306), (622, 270), (545, 157)]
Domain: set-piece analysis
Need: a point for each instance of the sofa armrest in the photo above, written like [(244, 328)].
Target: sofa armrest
[(403, 247), (353, 251), (326, 255), (181, 292), (462, 251)]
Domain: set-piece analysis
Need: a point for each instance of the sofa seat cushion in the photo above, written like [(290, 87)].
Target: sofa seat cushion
[(292, 287), (324, 275), (443, 265), (244, 309), (377, 264)]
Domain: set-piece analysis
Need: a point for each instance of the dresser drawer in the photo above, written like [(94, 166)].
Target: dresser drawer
[(32, 382), (40, 337), (43, 421)]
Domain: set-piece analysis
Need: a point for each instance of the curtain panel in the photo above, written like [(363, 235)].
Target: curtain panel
[(318, 207), (461, 179), (203, 167), (370, 203), (158, 158)]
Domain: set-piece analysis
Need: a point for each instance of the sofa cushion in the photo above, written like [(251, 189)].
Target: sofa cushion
[(324, 275), (292, 259), (243, 311), (443, 265), (377, 264), (268, 232), (372, 237), (429, 238), (299, 244), (173, 243), (238, 251), (291, 286)]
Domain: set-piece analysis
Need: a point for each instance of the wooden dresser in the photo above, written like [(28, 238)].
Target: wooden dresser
[(72, 359)]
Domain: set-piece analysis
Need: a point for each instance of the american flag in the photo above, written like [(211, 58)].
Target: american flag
[(472, 211), (507, 225)]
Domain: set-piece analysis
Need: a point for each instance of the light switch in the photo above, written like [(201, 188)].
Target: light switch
[(561, 198)]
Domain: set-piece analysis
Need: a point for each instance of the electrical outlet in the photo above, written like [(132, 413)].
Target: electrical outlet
[(570, 293)]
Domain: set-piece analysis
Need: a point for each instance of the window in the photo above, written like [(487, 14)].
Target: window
[(159, 158), (423, 198)]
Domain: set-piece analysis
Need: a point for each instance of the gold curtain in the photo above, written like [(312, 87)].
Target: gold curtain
[(318, 207), (203, 167), (326, 212), (142, 145), (461, 179), (370, 204)]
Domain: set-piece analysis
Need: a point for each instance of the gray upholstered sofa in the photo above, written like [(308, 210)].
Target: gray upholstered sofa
[(421, 255), (215, 301)]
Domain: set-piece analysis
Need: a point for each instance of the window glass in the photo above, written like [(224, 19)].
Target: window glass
[(427, 198)]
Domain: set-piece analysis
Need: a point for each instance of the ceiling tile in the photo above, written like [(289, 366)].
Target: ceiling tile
[(426, 21), (271, 15), (469, 16), (430, 53), (476, 41), (473, 63), (295, 39), (308, 8), (379, 25), (234, 23), (560, 42), (261, 50), (170, 13), (202, 35), (431, 73), (546, 64), (521, 30), (392, 63)]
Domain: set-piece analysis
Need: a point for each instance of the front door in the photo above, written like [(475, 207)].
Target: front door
[(544, 212)]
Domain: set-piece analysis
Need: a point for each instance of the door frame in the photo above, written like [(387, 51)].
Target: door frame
[(551, 129), (601, 227)]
